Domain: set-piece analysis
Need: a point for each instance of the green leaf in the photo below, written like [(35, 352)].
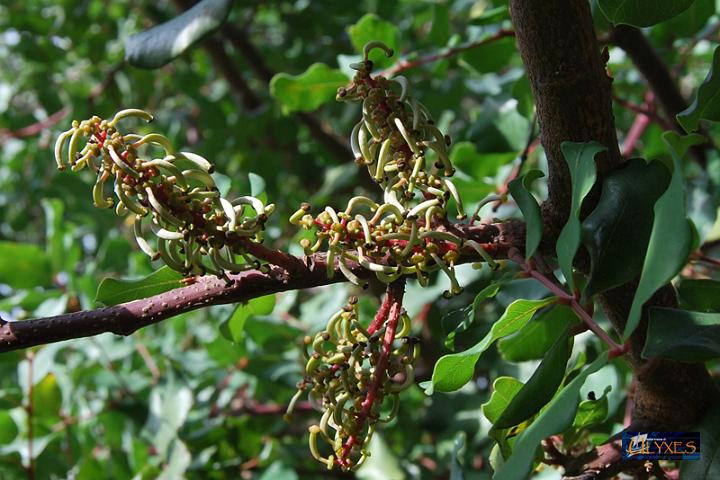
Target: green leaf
[(257, 184), (683, 335), (24, 265), (232, 328), (113, 292), (491, 57), (54, 232), (159, 45), (504, 390), (440, 29), (453, 371), (642, 13), (371, 28), (670, 238), (307, 91), (616, 233), (459, 320), (708, 465), (701, 294), (592, 412), (520, 191), (557, 416), (534, 339), (706, 104), (580, 158), (541, 386), (8, 428)]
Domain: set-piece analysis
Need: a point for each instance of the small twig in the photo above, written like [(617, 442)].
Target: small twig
[(664, 123), (638, 127), (403, 65), (149, 362), (700, 257), (571, 300), (34, 128)]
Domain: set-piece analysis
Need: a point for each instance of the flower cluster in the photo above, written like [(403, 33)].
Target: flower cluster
[(406, 154), (174, 196), (355, 375)]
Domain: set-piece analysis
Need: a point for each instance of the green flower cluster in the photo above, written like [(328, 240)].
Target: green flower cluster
[(174, 196)]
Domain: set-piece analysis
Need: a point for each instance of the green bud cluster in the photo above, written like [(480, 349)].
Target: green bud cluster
[(355, 375), (174, 196)]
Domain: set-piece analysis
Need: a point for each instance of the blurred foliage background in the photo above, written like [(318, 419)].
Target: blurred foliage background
[(180, 399)]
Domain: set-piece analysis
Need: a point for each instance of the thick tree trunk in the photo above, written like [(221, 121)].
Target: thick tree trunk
[(573, 97)]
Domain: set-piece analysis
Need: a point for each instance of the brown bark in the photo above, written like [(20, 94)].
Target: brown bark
[(573, 97), (297, 273), (571, 90)]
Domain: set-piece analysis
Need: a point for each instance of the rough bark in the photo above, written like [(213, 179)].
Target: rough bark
[(573, 98), (571, 90), (298, 273)]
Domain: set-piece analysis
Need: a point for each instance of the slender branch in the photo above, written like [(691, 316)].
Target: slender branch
[(404, 64), (641, 122), (569, 299), (225, 65), (307, 272), (35, 128)]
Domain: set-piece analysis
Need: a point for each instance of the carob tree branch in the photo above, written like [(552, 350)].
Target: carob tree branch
[(209, 290), (573, 97)]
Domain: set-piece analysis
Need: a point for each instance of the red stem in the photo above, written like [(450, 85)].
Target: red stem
[(395, 294), (403, 65), (571, 300), (638, 127)]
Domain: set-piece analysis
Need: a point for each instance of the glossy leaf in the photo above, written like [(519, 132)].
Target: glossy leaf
[(555, 418), (491, 57), (159, 45), (700, 294), (233, 328), (541, 386), (307, 91), (24, 265), (453, 371), (503, 391), (520, 191), (616, 233), (706, 104), (670, 238), (683, 335), (113, 291), (459, 320), (371, 28), (642, 13), (580, 158), (592, 412), (534, 339)]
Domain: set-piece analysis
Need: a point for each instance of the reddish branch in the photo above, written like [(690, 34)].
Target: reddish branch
[(395, 292), (638, 127), (403, 65), (302, 273), (37, 127), (570, 300)]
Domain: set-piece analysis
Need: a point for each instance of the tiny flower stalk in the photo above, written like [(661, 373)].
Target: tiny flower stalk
[(174, 196)]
